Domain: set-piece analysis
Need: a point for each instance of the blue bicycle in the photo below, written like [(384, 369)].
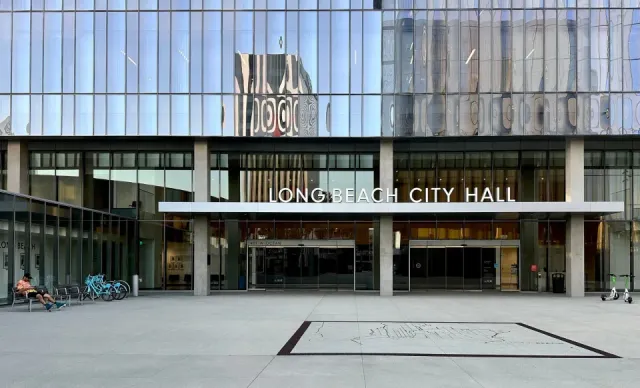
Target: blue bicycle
[(96, 287)]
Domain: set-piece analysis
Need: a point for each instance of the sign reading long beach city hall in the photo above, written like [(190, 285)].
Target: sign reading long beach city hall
[(379, 195)]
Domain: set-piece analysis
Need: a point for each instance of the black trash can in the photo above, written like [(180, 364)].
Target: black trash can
[(557, 282)]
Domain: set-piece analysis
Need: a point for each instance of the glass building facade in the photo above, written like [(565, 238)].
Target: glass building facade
[(319, 68), (111, 108), (59, 243)]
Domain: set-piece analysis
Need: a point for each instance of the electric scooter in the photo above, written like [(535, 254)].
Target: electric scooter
[(626, 296), (613, 295)]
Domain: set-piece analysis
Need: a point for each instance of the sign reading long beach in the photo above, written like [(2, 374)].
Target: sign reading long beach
[(379, 195)]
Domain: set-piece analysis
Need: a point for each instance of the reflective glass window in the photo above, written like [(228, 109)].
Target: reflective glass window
[(180, 52), (132, 115), (148, 112), (339, 116), (100, 115), (372, 52), (53, 52), (86, 4), (68, 117), (195, 118), (615, 49), (148, 46), (35, 121), (340, 52), (115, 114), (371, 124), (388, 52), (308, 50), (20, 115), (18, 5), (52, 114), (228, 121), (21, 52), (37, 44), (116, 55), (84, 41), (84, 115), (132, 52), (180, 115), (228, 53), (164, 115), (518, 53), (324, 52), (631, 51), (100, 58), (195, 45), (212, 115), (355, 60), (355, 119), (164, 56), (212, 51)]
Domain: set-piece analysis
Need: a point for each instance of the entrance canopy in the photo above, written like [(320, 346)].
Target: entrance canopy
[(390, 208)]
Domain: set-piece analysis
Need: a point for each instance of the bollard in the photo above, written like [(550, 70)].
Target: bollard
[(134, 285)]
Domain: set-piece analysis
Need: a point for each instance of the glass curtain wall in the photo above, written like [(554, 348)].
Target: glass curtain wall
[(356, 68), (536, 176), (127, 184), (541, 245), (611, 241), (56, 176), (292, 267), (52, 241), (254, 177), (257, 177)]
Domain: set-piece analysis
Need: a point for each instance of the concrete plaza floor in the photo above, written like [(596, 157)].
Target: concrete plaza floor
[(233, 340)]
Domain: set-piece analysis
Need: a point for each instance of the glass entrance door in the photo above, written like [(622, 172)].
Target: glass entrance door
[(301, 267), (473, 267), (272, 267), (509, 271), (472, 271)]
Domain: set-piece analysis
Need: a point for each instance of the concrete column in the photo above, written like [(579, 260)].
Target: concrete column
[(386, 255), (18, 167), (201, 189), (574, 181), (386, 221), (201, 282), (574, 175), (575, 256)]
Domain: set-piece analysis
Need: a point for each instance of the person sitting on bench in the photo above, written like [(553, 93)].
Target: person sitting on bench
[(26, 289)]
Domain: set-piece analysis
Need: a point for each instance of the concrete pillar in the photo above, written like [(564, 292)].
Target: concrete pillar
[(574, 175), (575, 256), (385, 226), (18, 167), (574, 187), (386, 255), (201, 189), (201, 284)]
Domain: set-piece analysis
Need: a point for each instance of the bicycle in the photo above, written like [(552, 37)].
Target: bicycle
[(95, 287), (121, 291)]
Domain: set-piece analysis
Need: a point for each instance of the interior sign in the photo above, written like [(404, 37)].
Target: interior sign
[(379, 195)]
